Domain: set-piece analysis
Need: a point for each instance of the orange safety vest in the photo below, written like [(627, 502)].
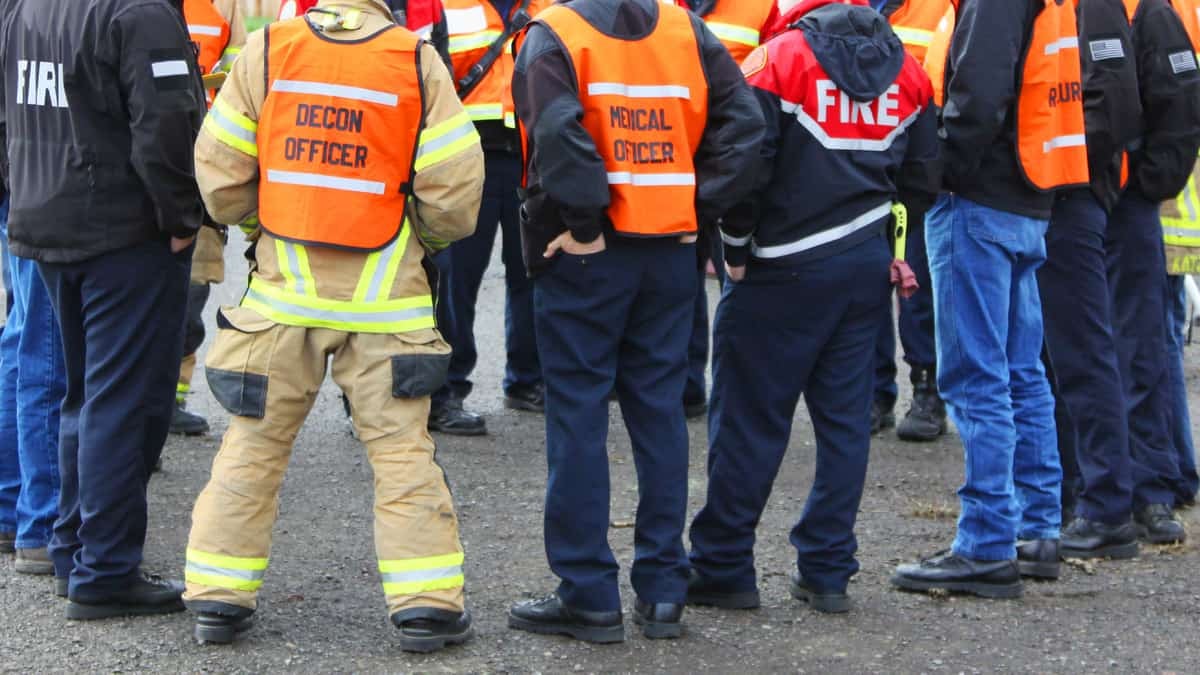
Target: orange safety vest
[(915, 23), (210, 33), (473, 25), (1189, 13), (1051, 143), (645, 105), (739, 24), (337, 136)]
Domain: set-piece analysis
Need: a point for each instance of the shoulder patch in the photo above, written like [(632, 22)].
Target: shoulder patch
[(755, 61)]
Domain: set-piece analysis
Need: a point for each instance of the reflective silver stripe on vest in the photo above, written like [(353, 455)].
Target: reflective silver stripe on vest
[(338, 90), (194, 29), (322, 181), (247, 575), (421, 575), (1061, 44), (1071, 141), (336, 316), (821, 238), (650, 179), (639, 90)]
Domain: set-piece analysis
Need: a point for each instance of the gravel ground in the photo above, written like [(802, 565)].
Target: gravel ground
[(321, 609)]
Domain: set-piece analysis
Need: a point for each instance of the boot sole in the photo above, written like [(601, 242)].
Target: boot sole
[(914, 437), (1039, 570), (518, 404), (1143, 535), (459, 432), (38, 567), (747, 600), (189, 433), (826, 604), (425, 645), (992, 591), (595, 634), (1115, 552), (221, 635), (657, 630), (79, 611)]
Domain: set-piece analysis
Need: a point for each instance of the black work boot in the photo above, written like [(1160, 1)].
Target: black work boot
[(184, 423), (1157, 524), (1085, 538), (828, 602), (926, 418), (702, 592), (218, 623), (549, 616), (8, 542), (1039, 558), (529, 399), (450, 418), (659, 620), (147, 594), (951, 572), (425, 629), (882, 416), (695, 409)]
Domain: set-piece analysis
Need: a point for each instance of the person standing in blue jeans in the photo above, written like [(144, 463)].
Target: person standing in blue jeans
[(32, 384), (1181, 420), (986, 240)]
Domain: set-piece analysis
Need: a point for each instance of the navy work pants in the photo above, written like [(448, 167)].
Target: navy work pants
[(916, 319), (1093, 429), (1137, 279), (620, 318), (460, 270), (122, 319), (784, 331)]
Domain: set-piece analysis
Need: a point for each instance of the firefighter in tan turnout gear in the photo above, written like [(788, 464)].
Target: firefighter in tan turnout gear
[(343, 133)]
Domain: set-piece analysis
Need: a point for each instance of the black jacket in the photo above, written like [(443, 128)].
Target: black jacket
[(101, 105), (819, 175), (571, 182), (979, 117), (1169, 82)]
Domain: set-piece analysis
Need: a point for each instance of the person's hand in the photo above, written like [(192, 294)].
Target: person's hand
[(735, 273), (178, 244), (566, 243)]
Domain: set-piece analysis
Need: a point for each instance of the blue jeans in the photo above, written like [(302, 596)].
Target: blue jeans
[(988, 319), (32, 384), (1181, 422)]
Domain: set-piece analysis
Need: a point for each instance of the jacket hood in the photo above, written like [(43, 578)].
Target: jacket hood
[(853, 43)]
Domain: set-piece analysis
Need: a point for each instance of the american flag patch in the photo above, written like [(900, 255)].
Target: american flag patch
[(1182, 62), (1103, 50)]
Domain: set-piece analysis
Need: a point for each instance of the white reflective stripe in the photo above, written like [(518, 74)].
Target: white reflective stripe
[(382, 267), (195, 29), (336, 316), (485, 111), (814, 127), (1061, 44), (735, 241), (248, 575), (639, 90), (734, 33), (338, 90), (650, 179), (913, 36), (169, 68), (421, 575), (299, 283), (821, 238), (470, 20), (321, 181), (1071, 141), (1182, 232), (1188, 198)]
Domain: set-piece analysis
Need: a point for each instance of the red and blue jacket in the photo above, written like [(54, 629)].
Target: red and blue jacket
[(850, 121)]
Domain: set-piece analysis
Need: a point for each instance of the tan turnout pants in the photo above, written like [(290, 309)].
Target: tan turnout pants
[(267, 375)]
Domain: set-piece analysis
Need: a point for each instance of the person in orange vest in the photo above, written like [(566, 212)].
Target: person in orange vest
[(423, 17), (1107, 344), (482, 65), (637, 130), (1007, 150), (914, 22), (740, 25), (341, 133), (218, 30)]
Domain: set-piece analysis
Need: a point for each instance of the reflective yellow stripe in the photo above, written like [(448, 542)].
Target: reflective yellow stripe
[(470, 41), (225, 63), (232, 128), (293, 265), (182, 388), (510, 120), (227, 560), (422, 575), (485, 111), (414, 587), (398, 315), (913, 36), (387, 566), (734, 33), (220, 581), (379, 272), (445, 140), (1183, 228)]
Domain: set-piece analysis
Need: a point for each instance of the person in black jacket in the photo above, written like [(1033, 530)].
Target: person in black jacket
[(1111, 371), (614, 286), (101, 102)]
